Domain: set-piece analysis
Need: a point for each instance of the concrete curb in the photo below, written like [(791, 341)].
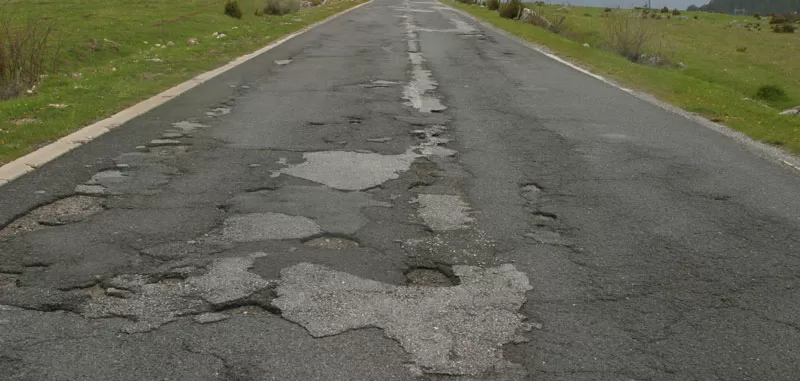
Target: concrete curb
[(36, 159), (763, 150)]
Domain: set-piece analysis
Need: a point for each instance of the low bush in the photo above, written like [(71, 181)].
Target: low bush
[(676, 12), (757, 16), (784, 28), (493, 5), (232, 9), (741, 49), (771, 93), (665, 10), (511, 9), (282, 7)]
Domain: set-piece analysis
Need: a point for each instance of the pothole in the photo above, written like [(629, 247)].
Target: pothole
[(530, 191), (219, 111), (65, 211), (332, 243), (543, 218), (428, 277), (188, 126), (547, 237)]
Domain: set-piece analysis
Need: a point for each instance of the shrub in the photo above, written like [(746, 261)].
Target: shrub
[(784, 28), (511, 9), (676, 12), (282, 7), (777, 19), (695, 17), (540, 3), (771, 93), (27, 51), (741, 49), (493, 5), (316, 3), (587, 15), (627, 36), (232, 9), (665, 10), (757, 16), (607, 10)]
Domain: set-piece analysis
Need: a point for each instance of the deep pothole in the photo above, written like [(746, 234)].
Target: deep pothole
[(430, 277), (61, 212)]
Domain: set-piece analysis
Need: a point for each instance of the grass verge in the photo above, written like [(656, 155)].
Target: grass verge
[(116, 53), (718, 76)]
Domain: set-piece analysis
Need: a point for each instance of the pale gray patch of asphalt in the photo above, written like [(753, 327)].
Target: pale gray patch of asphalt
[(350, 170), (334, 211), (444, 211), (265, 226), (456, 330)]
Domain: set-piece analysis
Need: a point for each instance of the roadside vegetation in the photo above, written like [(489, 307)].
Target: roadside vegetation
[(68, 63), (735, 70)]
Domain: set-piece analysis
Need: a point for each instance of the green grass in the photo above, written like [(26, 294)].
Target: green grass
[(716, 79), (114, 78)]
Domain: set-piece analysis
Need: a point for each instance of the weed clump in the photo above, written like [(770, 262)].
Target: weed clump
[(232, 9), (771, 93), (27, 52), (493, 5), (282, 7), (511, 9), (627, 36)]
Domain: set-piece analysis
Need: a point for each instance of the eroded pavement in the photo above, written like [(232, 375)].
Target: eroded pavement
[(401, 194)]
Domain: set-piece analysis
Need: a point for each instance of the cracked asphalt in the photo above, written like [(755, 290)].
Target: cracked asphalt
[(402, 194)]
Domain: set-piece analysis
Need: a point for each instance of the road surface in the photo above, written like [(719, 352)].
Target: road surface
[(403, 194)]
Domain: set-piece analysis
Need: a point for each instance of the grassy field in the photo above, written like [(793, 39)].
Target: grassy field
[(716, 78), (110, 60)]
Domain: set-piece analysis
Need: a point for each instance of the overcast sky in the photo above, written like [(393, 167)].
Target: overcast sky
[(680, 4)]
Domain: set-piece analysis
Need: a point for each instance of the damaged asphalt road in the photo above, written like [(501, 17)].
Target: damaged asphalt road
[(402, 194)]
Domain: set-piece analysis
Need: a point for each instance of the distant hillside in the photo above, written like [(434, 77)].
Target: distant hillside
[(763, 7)]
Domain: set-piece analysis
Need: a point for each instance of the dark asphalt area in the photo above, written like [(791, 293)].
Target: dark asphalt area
[(411, 196)]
